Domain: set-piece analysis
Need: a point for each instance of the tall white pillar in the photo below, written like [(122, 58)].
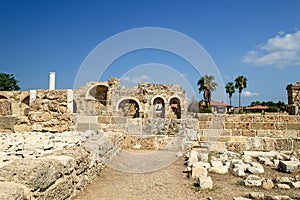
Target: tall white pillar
[(52, 81)]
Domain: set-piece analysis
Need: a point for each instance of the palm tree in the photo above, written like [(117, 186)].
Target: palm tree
[(240, 83), (207, 85), (230, 89)]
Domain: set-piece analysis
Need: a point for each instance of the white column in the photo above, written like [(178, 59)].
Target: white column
[(52, 81), (32, 96), (70, 100)]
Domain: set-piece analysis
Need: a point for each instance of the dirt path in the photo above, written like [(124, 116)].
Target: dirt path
[(168, 183)]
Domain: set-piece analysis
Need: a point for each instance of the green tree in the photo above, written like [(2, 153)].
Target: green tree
[(8, 82), (230, 89), (240, 83), (207, 85)]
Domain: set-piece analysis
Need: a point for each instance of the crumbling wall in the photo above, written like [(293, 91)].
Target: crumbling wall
[(46, 110), (293, 93)]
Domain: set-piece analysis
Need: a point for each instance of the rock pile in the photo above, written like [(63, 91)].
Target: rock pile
[(52, 166), (248, 165)]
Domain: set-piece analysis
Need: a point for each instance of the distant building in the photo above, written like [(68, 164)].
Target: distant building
[(255, 109), (218, 107)]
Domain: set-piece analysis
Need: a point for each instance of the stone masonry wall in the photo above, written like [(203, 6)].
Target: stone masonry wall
[(251, 131), (46, 110)]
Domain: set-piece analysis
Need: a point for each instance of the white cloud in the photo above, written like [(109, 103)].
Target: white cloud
[(249, 94), (281, 50), (137, 79)]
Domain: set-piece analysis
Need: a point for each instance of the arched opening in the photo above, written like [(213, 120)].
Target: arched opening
[(129, 108), (175, 107), (99, 92), (74, 107), (25, 106), (3, 97), (159, 107)]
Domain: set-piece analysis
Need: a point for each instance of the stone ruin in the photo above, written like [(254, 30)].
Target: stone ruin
[(60, 139), (293, 91)]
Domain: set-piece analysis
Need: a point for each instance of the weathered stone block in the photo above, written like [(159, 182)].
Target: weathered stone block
[(10, 190), (228, 125), (284, 144), (290, 133), (249, 133), (237, 132), (205, 117), (268, 144), (217, 125), (35, 174), (296, 144), (262, 133), (104, 119), (7, 122), (23, 128), (242, 125), (293, 126), (281, 126), (256, 126), (205, 182), (5, 108), (204, 125), (288, 166)]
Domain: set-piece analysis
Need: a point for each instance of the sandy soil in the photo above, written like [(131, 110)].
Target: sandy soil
[(171, 183)]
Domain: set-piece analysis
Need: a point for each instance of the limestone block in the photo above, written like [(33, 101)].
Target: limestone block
[(293, 126), (23, 128), (256, 168), (253, 181), (218, 169), (199, 171), (288, 166), (35, 174), (7, 122), (267, 184), (5, 107), (296, 144), (257, 195), (205, 182), (10, 190), (296, 184), (238, 172), (249, 133), (283, 186), (284, 144)]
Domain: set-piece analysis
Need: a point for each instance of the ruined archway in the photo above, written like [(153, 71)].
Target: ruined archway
[(174, 107), (25, 105), (159, 107), (99, 92), (128, 108), (3, 97)]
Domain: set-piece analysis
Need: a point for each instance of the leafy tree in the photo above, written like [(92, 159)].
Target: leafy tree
[(8, 82), (207, 85), (230, 89), (240, 83)]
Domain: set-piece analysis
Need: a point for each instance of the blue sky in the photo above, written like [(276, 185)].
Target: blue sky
[(258, 39)]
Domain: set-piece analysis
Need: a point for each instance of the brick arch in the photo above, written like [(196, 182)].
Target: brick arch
[(158, 111)]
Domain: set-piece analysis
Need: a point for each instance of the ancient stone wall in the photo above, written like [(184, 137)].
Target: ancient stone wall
[(37, 110), (251, 131), (293, 93)]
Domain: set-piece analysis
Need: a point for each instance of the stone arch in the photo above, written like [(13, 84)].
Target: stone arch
[(98, 92), (175, 106), (74, 106), (129, 107), (25, 105), (158, 104)]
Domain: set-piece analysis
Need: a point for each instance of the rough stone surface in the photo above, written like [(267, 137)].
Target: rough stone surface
[(253, 181), (288, 166), (199, 171), (205, 182)]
